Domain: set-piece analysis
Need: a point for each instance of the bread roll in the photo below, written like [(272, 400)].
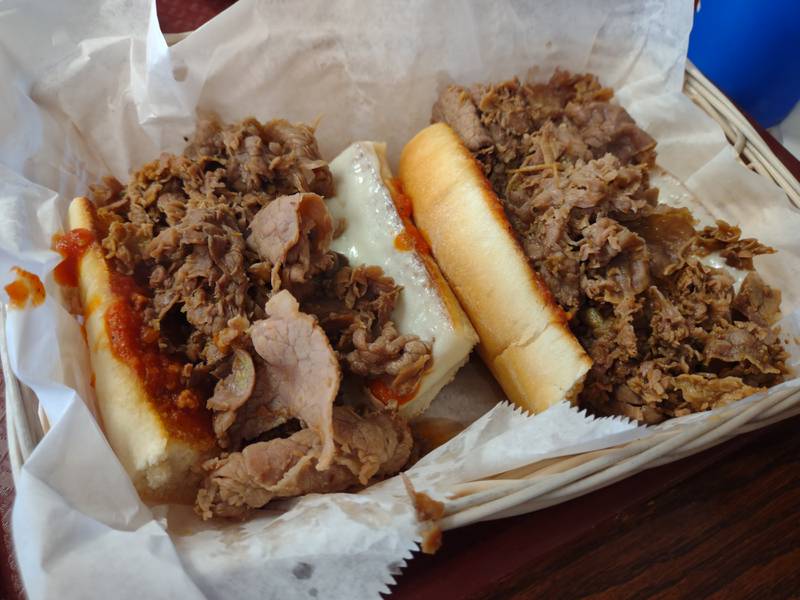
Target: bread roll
[(524, 337), (158, 444)]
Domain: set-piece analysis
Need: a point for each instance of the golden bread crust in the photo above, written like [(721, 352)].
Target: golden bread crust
[(525, 339), (160, 458)]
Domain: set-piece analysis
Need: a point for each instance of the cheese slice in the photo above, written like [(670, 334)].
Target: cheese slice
[(375, 234)]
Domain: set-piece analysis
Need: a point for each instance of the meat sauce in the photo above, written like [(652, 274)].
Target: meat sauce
[(411, 238), (182, 409), (26, 287), (72, 246), (383, 392)]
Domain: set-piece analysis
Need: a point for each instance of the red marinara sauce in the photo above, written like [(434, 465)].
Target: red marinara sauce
[(72, 246), (411, 237), (182, 410), (383, 392), (26, 287), (134, 343)]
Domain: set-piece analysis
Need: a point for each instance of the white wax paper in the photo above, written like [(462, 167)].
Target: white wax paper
[(91, 89)]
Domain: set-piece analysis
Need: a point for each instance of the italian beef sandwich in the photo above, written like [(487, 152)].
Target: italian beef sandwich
[(537, 200), (261, 324)]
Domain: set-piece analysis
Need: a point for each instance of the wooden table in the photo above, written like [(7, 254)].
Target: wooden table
[(721, 524)]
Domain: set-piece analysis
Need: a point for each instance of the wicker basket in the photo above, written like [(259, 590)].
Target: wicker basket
[(554, 481)]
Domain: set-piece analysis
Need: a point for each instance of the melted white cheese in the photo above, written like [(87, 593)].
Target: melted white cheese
[(372, 224)]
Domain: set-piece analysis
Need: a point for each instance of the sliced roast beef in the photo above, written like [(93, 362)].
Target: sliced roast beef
[(702, 293), (608, 128), (739, 342), (231, 393), (301, 369), (179, 224), (254, 156), (738, 252), (366, 288), (126, 243), (456, 108), (293, 234), (355, 313), (603, 240), (257, 416), (756, 301), (704, 392), (667, 324), (368, 446), (300, 161), (669, 233), (234, 231)]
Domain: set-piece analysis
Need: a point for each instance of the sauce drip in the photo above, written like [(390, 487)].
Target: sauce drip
[(72, 246), (182, 408), (404, 242), (25, 287), (383, 392), (411, 237)]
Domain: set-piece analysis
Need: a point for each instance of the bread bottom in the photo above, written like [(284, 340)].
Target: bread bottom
[(161, 459)]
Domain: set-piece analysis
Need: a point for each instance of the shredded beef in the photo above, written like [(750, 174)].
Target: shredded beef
[(756, 301), (216, 231), (232, 240), (666, 334), (179, 227), (726, 239)]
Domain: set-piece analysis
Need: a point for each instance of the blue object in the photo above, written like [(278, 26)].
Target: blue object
[(751, 50)]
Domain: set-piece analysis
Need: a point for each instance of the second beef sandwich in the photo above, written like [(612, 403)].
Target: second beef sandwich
[(537, 202)]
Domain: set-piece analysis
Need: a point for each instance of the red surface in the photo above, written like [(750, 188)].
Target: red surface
[(71, 246), (10, 583), (177, 16), (471, 558)]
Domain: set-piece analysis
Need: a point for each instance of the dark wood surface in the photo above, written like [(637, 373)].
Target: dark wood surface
[(10, 584), (730, 531), (721, 524)]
